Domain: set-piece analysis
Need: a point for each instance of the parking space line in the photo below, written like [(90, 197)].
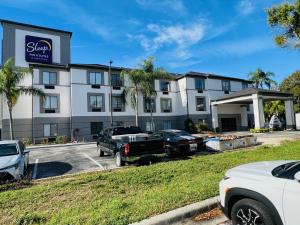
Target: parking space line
[(35, 169), (90, 158)]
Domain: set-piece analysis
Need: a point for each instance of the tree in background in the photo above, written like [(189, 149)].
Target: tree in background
[(274, 108), (286, 19), (10, 87), (261, 78), (291, 84), (142, 80)]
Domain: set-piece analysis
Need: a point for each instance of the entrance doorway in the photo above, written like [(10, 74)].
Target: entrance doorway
[(228, 124)]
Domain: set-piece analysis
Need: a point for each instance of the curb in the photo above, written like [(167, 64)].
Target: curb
[(60, 145), (182, 213)]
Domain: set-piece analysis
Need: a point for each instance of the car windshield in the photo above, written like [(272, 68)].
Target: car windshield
[(178, 133), (286, 170), (8, 149)]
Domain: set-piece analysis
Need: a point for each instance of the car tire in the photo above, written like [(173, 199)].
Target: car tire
[(119, 161), (249, 211), (100, 152)]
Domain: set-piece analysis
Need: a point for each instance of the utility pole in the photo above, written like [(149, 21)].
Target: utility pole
[(110, 96)]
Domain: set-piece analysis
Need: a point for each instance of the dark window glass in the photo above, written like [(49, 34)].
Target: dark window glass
[(118, 103), (95, 78), (164, 85), (226, 85), (200, 103), (50, 130), (244, 85), (149, 105), (96, 101), (116, 80), (50, 102), (199, 84), (166, 105)]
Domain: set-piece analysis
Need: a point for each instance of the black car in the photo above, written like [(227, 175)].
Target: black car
[(180, 141)]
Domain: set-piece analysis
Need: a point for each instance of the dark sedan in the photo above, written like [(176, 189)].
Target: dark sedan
[(180, 141)]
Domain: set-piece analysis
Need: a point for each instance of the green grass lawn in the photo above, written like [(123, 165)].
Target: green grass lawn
[(128, 195)]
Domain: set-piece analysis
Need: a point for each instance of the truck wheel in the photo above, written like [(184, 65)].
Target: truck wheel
[(119, 161), (99, 150), (248, 211)]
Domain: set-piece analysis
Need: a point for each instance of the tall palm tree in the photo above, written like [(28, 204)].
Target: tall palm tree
[(261, 78), (142, 80), (10, 88)]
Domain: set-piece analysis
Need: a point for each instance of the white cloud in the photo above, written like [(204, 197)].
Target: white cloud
[(245, 7), (162, 5), (181, 36)]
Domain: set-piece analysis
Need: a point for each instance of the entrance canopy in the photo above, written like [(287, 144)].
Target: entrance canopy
[(255, 96)]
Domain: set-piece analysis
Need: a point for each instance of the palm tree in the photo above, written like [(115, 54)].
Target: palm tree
[(261, 78), (142, 80), (10, 88)]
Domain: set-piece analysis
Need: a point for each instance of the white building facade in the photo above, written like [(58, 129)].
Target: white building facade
[(77, 102)]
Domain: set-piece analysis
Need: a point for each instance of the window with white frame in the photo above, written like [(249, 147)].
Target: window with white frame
[(95, 78), (166, 104), (200, 104), (50, 130), (49, 78)]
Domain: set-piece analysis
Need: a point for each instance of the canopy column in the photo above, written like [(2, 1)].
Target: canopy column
[(258, 109), (289, 114)]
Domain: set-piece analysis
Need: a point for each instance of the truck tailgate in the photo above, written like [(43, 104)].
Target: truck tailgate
[(147, 147)]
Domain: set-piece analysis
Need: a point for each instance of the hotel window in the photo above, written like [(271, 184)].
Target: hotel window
[(149, 105), (200, 104), (95, 103), (49, 78), (167, 124), (50, 130), (199, 84), (116, 80), (96, 127), (50, 104), (164, 86), (226, 86), (244, 85), (95, 78), (166, 104), (118, 104)]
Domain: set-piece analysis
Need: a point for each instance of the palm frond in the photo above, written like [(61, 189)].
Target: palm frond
[(31, 91)]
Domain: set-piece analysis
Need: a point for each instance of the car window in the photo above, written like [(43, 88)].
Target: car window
[(22, 147), (283, 172), (156, 135), (8, 149)]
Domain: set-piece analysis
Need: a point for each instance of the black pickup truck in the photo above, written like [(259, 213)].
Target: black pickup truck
[(128, 144)]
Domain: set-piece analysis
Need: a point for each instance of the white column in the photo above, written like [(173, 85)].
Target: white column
[(214, 114), (289, 114), (244, 117), (258, 109)]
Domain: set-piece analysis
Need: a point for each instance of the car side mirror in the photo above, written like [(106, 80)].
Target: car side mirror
[(297, 176)]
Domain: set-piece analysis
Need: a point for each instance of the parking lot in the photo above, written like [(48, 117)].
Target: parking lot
[(55, 161)]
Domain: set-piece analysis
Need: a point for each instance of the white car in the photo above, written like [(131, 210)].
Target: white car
[(262, 193), (14, 159)]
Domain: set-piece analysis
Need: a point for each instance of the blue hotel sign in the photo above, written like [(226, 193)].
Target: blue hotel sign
[(38, 50)]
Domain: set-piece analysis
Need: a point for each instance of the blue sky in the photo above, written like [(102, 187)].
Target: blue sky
[(225, 37)]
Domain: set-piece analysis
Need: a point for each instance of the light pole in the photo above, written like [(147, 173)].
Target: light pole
[(110, 96), (151, 114)]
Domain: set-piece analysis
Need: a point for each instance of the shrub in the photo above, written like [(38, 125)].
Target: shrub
[(61, 139), (202, 127), (261, 130), (26, 141), (190, 125)]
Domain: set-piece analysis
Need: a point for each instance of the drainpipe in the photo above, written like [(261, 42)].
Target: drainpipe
[(110, 97), (32, 123), (187, 98)]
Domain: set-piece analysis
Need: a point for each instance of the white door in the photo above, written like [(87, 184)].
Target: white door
[(291, 202)]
